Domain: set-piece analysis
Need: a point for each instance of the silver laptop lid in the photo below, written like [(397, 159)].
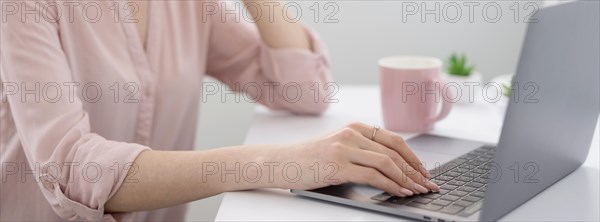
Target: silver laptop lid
[(550, 122)]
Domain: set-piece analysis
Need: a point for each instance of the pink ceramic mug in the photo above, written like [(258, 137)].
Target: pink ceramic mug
[(411, 93)]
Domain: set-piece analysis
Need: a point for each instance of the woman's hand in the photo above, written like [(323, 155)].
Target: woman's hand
[(349, 155)]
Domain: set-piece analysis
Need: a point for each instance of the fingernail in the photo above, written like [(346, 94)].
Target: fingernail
[(420, 188), (432, 185), (406, 192)]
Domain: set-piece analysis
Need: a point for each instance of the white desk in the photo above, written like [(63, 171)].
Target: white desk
[(576, 197)]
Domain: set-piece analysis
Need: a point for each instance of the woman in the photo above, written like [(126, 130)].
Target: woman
[(99, 105)]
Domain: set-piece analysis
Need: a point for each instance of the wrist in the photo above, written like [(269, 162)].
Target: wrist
[(255, 167), (273, 160)]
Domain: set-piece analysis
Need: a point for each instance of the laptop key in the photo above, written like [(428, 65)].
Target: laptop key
[(457, 183), (469, 174), (483, 159), (473, 174), (438, 182), (471, 198), (463, 203), (487, 166), (466, 189), (475, 162), (480, 170), (432, 196), (464, 178), (478, 194), (475, 184), (450, 198), (441, 202), (466, 167), (429, 207), (444, 178), (480, 180), (453, 209), (488, 155), (448, 186), (458, 193), (422, 200), (468, 156), (461, 170), (443, 191), (452, 174), (455, 170)]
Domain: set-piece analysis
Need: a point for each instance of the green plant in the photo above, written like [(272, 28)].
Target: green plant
[(508, 88), (457, 65)]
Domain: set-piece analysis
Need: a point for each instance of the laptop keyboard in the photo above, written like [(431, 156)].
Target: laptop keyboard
[(462, 182)]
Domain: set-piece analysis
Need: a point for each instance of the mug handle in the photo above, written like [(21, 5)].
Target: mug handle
[(446, 104)]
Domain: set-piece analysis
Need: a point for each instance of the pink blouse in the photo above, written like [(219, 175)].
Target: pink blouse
[(82, 97)]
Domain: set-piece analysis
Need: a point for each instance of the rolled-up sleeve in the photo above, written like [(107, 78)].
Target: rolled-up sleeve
[(291, 79), (78, 171)]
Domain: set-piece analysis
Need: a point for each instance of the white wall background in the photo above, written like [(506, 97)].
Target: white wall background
[(367, 31)]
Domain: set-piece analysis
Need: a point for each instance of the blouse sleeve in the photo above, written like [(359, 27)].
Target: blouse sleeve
[(57, 133), (292, 79)]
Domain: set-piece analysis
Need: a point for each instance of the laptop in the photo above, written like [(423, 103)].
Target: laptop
[(547, 135)]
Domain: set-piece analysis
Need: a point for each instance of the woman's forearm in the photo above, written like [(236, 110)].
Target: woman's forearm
[(273, 27), (168, 178)]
